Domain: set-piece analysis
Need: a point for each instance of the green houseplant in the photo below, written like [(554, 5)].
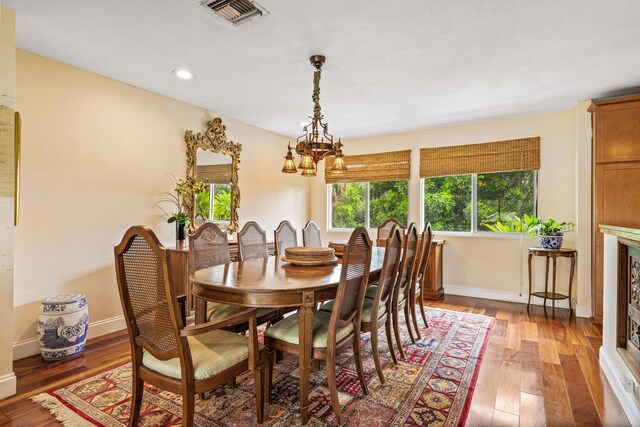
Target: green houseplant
[(549, 232), (184, 188)]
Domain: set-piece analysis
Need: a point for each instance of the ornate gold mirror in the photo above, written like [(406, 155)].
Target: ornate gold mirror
[(213, 160)]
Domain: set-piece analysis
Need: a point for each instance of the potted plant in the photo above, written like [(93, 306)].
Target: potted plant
[(549, 232), (184, 189)]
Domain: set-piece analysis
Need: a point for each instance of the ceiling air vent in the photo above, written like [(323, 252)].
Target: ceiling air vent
[(235, 11)]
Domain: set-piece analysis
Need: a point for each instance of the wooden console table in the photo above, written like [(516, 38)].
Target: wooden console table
[(552, 254), (432, 288)]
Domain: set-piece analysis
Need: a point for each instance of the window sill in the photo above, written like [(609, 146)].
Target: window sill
[(482, 235)]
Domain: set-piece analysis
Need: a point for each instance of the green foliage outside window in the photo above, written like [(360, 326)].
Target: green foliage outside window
[(447, 202), (502, 199), (388, 199), (221, 203), (348, 205), (505, 197)]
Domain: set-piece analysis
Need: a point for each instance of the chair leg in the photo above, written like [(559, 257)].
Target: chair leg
[(407, 321), (414, 317), (358, 360), (270, 355), (136, 400), (201, 396), (376, 354), (424, 316), (258, 378), (387, 327), (188, 406), (333, 389), (396, 330)]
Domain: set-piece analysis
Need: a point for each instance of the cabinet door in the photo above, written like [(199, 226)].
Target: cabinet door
[(617, 202), (618, 132)]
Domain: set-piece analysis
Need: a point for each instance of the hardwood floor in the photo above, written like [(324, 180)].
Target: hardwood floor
[(537, 370)]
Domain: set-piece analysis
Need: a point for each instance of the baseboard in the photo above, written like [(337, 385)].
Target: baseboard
[(626, 400), (7, 385), (580, 310), (31, 346)]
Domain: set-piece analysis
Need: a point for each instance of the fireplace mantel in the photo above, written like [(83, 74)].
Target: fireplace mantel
[(619, 357)]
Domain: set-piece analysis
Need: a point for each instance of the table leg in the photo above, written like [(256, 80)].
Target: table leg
[(573, 265), (546, 282), (553, 292), (305, 336), (530, 288)]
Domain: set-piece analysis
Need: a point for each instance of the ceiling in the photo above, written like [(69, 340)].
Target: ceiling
[(391, 66)]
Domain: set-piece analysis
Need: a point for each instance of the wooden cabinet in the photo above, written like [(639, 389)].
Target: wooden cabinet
[(432, 288), (616, 178)]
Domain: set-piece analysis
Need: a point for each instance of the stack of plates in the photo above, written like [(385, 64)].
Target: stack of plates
[(338, 247), (310, 256)]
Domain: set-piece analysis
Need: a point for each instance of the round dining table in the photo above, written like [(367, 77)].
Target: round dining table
[(269, 282)]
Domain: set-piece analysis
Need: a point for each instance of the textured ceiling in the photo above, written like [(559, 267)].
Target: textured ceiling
[(391, 65)]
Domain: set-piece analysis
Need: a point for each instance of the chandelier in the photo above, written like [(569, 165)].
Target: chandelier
[(316, 143)]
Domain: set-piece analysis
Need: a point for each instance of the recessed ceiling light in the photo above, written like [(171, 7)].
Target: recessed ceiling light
[(184, 74)]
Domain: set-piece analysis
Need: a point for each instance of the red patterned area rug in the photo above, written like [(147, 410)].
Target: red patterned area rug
[(433, 387)]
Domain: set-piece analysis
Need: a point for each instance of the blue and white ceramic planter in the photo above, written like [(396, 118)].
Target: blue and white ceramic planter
[(62, 326), (551, 241)]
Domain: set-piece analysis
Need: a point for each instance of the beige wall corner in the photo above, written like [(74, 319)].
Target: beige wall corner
[(583, 208), (7, 192)]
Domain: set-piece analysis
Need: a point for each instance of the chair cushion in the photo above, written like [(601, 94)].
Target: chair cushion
[(287, 329), (371, 291), (367, 309), (217, 311), (211, 353)]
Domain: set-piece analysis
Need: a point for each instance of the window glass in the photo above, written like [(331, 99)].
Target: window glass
[(503, 198), (388, 199), (218, 207), (348, 205), (447, 203)]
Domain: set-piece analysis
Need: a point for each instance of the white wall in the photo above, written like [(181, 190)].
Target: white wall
[(97, 154), (487, 266), (7, 194)]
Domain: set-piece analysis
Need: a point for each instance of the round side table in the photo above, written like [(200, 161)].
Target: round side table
[(552, 254)]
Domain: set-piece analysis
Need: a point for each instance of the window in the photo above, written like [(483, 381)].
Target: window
[(218, 207), (367, 204), (479, 202)]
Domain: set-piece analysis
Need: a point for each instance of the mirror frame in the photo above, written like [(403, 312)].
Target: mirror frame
[(214, 139)]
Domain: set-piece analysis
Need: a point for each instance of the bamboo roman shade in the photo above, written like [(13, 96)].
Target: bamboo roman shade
[(499, 156), (214, 174), (390, 166)]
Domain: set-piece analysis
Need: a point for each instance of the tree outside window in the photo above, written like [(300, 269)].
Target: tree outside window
[(497, 201), (363, 204)]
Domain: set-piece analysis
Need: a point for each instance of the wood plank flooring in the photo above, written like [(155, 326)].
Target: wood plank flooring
[(537, 370)]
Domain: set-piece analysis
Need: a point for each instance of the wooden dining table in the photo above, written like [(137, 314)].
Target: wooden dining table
[(270, 282)]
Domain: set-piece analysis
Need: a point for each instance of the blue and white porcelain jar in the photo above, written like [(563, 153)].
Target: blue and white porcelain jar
[(551, 241), (62, 326)]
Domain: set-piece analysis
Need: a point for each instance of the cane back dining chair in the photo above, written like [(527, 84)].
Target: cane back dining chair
[(332, 332), (402, 285), (311, 234), (208, 247), (384, 230), (418, 279), (285, 236), (167, 354), (252, 242), (376, 311)]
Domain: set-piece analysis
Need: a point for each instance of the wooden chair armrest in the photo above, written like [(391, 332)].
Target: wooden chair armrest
[(234, 319)]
